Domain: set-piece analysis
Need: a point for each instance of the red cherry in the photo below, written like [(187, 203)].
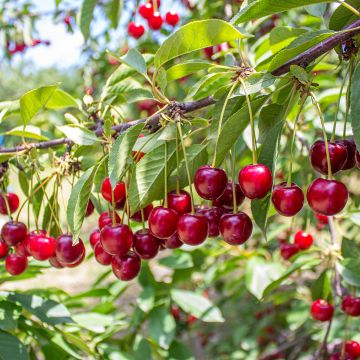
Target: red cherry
[(136, 30), (94, 237), (156, 21), (163, 222), (303, 240), (55, 263), (172, 18), (287, 200), (106, 219), (338, 156), (288, 250), (42, 247), (138, 156), (338, 356), (12, 200), (327, 197), (210, 182), (16, 264), (351, 151), (322, 310), (226, 199), (255, 181), (67, 20), (146, 245), (101, 256), (68, 253), (213, 216), (126, 267), (146, 10), (4, 249), (89, 208), (235, 229), (192, 229), (351, 305), (181, 202), (119, 191), (21, 248), (146, 213), (13, 232), (26, 242), (173, 242), (116, 240), (323, 219), (352, 348)]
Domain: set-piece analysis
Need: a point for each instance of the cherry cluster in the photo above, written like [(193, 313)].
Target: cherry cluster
[(21, 47)]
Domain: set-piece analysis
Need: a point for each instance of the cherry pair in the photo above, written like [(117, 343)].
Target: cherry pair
[(302, 241)]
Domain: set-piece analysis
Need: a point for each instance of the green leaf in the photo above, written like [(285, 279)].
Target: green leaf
[(343, 16), (355, 105), (31, 132), (350, 249), (299, 73), (146, 299), (85, 17), (12, 348), (282, 36), (115, 9), (179, 351), (8, 108), (162, 326), (9, 314), (177, 260), (321, 287), (60, 100), (186, 68), (38, 197), (135, 60), (257, 82), (93, 321), (79, 134), (196, 35), (349, 271), (197, 305)]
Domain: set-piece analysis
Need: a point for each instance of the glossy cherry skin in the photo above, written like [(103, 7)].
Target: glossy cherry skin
[(146, 245), (119, 191), (106, 219), (136, 30), (163, 222), (213, 216), (101, 256), (173, 242), (181, 202), (146, 10), (126, 267), (172, 18), (16, 264), (146, 213), (68, 253), (156, 21), (226, 199), (55, 263), (287, 200), (303, 240), (21, 248), (351, 151), (327, 197), (322, 310), (288, 250), (338, 156), (351, 305), (116, 240), (4, 249), (192, 229), (13, 232), (42, 247), (94, 238), (352, 348), (235, 229), (13, 201), (210, 182), (255, 181), (89, 208)]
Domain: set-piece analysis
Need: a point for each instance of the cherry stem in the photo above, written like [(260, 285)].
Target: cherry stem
[(349, 7), (59, 182), (7, 205), (348, 93), (233, 159), (177, 163), (165, 177), (142, 219), (155, 6), (113, 206)]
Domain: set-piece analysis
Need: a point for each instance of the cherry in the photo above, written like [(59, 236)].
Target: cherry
[(146, 213), (173, 242), (146, 245), (67, 20), (4, 249), (101, 256), (327, 197), (13, 232), (106, 219), (163, 222), (126, 267), (209, 52), (181, 202), (146, 10), (351, 305), (42, 247), (323, 219), (210, 182), (26, 242), (226, 199), (172, 18), (16, 264), (351, 151), (352, 348), (213, 216), (338, 156), (287, 200), (116, 240), (156, 21), (255, 181), (76, 263), (54, 262), (21, 248), (136, 155), (89, 208), (119, 191), (94, 238), (288, 250), (67, 252), (192, 229), (322, 310), (303, 239), (235, 228), (136, 30), (12, 200)]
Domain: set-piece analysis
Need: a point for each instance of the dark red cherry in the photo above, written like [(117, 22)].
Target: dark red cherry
[(89, 208), (106, 219), (323, 219), (12, 200), (42, 247), (101, 256), (146, 10), (181, 202), (16, 264), (156, 21), (55, 263), (287, 200), (303, 240), (119, 191), (255, 181), (226, 199), (4, 249), (173, 242), (21, 248), (13, 232), (327, 197), (338, 156), (352, 348), (210, 182), (116, 240), (126, 267), (351, 151), (235, 229), (351, 305), (213, 216), (67, 252), (136, 30), (288, 250), (172, 18), (322, 310), (146, 213), (146, 245), (192, 229), (94, 238), (163, 222), (76, 263)]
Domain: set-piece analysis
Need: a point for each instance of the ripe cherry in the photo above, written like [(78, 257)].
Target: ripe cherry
[(126, 267), (327, 197), (12, 200), (136, 30), (352, 348), (156, 21), (68, 253), (322, 310), (106, 219), (146, 245), (303, 240), (323, 219), (13, 232), (172, 18), (163, 222), (146, 10), (101, 256), (42, 247), (173, 242), (288, 250), (76, 263), (255, 181), (210, 182), (137, 156), (116, 240), (351, 151), (192, 229), (337, 152), (181, 202), (235, 228), (226, 199), (94, 237), (4, 249), (213, 216), (287, 200), (55, 263), (89, 208), (119, 191), (146, 213), (16, 264), (21, 248), (351, 305)]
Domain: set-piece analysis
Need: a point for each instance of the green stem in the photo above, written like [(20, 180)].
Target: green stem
[(233, 159), (177, 163), (349, 7), (165, 177), (348, 93)]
